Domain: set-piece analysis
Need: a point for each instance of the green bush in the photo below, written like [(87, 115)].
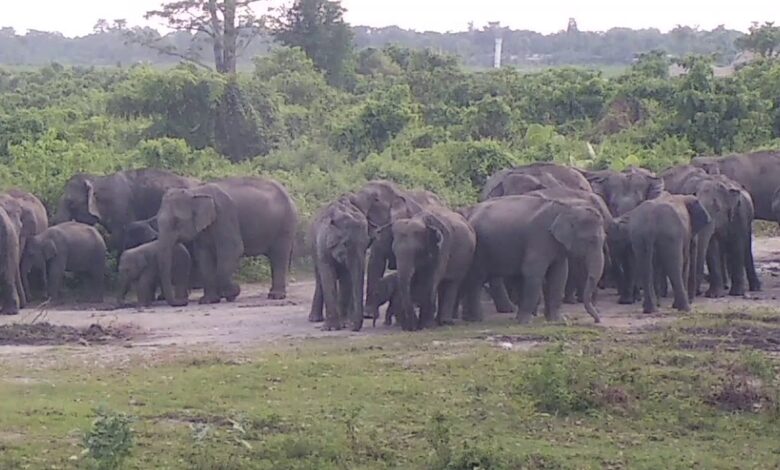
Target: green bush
[(111, 438)]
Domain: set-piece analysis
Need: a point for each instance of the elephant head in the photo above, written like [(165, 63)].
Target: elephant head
[(421, 245), (37, 253), (78, 202), (140, 232), (625, 190), (514, 183), (580, 229), (184, 214), (720, 201), (708, 164)]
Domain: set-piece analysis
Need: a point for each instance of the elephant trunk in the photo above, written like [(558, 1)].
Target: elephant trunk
[(62, 215), (166, 246), (357, 271), (594, 264), (377, 261), (405, 275)]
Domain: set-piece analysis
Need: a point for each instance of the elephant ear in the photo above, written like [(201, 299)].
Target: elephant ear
[(598, 182), (495, 191), (563, 231), (440, 233), (204, 211), (655, 187), (49, 249), (92, 205), (698, 214), (402, 208), (153, 224)]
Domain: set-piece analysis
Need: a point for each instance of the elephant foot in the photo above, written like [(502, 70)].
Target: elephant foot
[(556, 318), (737, 292), (570, 300), (316, 318), (682, 306), (277, 295), (755, 285), (208, 300), (714, 294), (10, 311), (524, 318), (446, 321), (331, 327), (626, 300), (649, 308), (179, 303)]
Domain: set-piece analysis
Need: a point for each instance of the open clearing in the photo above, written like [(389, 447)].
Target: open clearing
[(252, 384)]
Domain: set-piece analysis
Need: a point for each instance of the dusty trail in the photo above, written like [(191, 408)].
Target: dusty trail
[(160, 331)]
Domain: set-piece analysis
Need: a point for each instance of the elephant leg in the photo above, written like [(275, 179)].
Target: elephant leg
[(554, 285), (10, 295), (534, 271), (208, 274), (145, 289), (714, 265), (20, 292), (570, 289), (330, 287), (472, 287), (280, 257), (736, 262), (673, 259), (497, 289), (690, 269), (317, 301), (56, 270), (97, 276), (644, 263), (448, 302), (427, 303), (345, 296), (377, 261), (624, 272), (754, 282)]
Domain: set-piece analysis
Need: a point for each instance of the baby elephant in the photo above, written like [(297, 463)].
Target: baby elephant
[(388, 292), (73, 247), (139, 266)]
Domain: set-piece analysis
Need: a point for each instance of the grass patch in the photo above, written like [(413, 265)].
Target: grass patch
[(453, 398)]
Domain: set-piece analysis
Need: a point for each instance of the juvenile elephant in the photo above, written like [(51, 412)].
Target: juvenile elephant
[(623, 191), (227, 219), (533, 177), (529, 240), (390, 293), (758, 173), (139, 267), (340, 236), (10, 279), (375, 199), (116, 200), (433, 251), (662, 248), (727, 236), (72, 247)]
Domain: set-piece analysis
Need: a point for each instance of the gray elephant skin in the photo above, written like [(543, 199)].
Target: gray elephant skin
[(116, 200), (10, 278), (340, 237), (33, 218), (375, 199), (758, 173), (140, 232), (728, 237), (433, 250), (225, 220), (524, 179), (662, 249), (139, 268), (68, 247), (529, 240)]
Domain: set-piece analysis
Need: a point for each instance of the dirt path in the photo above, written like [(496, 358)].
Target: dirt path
[(254, 320)]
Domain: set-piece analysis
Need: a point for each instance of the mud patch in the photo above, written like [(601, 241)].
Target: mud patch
[(46, 334), (732, 338)]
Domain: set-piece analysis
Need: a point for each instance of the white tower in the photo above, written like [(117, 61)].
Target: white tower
[(497, 53)]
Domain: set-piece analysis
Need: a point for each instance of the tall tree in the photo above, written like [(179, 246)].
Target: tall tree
[(228, 26), (763, 40), (317, 27)]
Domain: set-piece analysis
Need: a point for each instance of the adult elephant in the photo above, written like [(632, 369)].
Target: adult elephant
[(340, 237), (577, 267), (758, 173), (624, 190), (33, 220), (530, 240), (524, 179), (10, 279), (116, 200), (376, 200), (727, 236), (227, 219), (662, 248), (433, 251)]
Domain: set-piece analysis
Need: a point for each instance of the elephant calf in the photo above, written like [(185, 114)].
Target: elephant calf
[(340, 234), (389, 292), (72, 247), (139, 266)]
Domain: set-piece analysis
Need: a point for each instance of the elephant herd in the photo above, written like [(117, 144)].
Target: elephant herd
[(172, 233), (543, 234)]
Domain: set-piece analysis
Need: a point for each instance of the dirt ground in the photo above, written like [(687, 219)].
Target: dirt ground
[(100, 332)]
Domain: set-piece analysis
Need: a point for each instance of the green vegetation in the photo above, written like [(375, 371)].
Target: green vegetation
[(700, 391)]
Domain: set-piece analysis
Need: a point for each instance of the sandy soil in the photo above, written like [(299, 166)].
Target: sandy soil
[(253, 320)]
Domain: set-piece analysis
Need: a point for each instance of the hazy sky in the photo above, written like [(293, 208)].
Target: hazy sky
[(76, 17)]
